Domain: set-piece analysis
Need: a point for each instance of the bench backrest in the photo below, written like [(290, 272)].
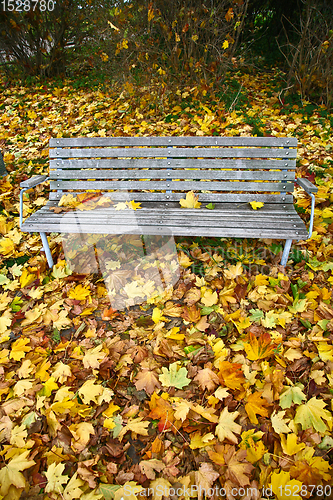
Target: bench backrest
[(163, 168)]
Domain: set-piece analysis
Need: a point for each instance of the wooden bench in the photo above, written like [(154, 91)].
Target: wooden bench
[(229, 172)]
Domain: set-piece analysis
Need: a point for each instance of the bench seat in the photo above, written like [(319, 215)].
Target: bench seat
[(232, 220), (229, 172)]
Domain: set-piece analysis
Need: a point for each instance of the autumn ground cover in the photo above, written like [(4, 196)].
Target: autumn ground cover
[(223, 379)]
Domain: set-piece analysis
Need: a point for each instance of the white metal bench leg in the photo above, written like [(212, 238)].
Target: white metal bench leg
[(286, 251), (47, 250)]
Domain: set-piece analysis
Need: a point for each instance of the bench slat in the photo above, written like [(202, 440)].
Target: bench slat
[(174, 210), (174, 163), (221, 232), (203, 197), (234, 209), (173, 141), (171, 222), (177, 185), (173, 153), (174, 174)]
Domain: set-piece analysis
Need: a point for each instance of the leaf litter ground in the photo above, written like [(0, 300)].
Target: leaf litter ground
[(219, 374)]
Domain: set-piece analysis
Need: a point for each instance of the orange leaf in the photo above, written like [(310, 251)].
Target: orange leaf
[(229, 15), (191, 314), (256, 405), (259, 348), (162, 411), (232, 375), (109, 314)]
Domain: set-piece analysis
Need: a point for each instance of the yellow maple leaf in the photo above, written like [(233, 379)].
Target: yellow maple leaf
[(256, 204), (5, 321), (209, 297), (157, 315), (325, 351), (233, 271), (182, 408), (111, 410), (18, 436), (198, 441), (42, 372), (22, 386), (129, 491), (26, 278), (261, 280), (67, 200), (133, 205), (289, 444), (49, 386), (26, 368), (255, 450), (109, 423), (259, 348), (191, 201), (311, 413), (227, 428), (33, 315), (62, 407), (184, 260), (80, 292), (73, 489), (55, 479), (19, 348), (93, 357), (121, 206), (61, 372), (81, 433), (11, 473), (282, 485), (7, 247), (61, 320), (225, 44), (279, 423), (135, 425), (89, 391), (327, 213)]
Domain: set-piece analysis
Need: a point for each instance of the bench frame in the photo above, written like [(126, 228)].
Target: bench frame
[(165, 142)]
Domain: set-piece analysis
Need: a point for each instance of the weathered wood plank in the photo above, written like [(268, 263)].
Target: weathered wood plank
[(203, 197), (173, 174), (96, 228), (174, 210), (174, 141), (169, 220), (173, 163), (173, 153), (177, 185)]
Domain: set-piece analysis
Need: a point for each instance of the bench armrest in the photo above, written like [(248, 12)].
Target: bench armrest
[(310, 189), (307, 185), (26, 185), (33, 181)]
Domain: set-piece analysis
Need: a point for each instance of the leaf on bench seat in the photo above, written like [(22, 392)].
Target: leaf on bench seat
[(191, 201), (256, 204), (83, 201), (128, 204)]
